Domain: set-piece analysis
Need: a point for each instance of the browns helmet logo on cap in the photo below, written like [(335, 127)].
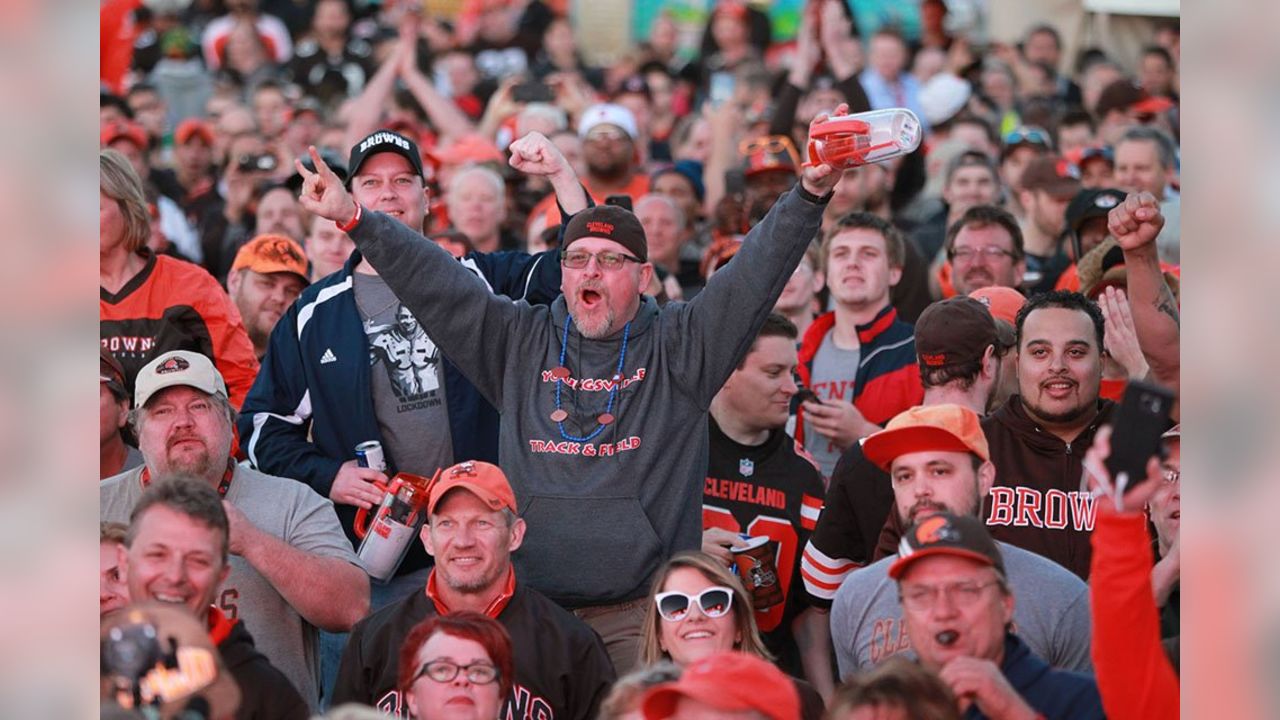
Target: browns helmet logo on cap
[(172, 365), (933, 530), (1106, 201)]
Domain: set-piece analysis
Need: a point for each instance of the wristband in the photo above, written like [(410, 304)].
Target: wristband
[(350, 225)]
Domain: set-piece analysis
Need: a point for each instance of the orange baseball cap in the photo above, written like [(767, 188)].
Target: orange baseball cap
[(484, 480), (190, 128), (948, 428), (1003, 302), (124, 130), (272, 254), (728, 681)]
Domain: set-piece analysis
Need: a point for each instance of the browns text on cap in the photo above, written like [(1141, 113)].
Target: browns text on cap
[(266, 254), (954, 332), (486, 481), (947, 534), (384, 141), (177, 367), (608, 222), (1053, 175), (938, 428)]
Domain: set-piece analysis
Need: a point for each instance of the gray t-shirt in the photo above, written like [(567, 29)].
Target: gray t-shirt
[(1050, 614), (834, 370), (408, 381), (288, 510)]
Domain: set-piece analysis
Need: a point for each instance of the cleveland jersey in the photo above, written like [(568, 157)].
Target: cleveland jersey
[(175, 305), (772, 490)]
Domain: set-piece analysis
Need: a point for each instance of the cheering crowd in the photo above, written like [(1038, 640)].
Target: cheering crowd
[(445, 374)]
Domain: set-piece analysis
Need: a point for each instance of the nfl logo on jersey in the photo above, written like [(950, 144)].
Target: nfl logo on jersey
[(746, 467)]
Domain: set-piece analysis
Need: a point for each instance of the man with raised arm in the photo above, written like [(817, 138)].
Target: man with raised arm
[(604, 395)]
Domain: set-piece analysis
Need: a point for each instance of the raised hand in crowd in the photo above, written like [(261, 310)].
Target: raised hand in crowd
[(1121, 338), (534, 154), (1135, 224), (822, 178), (323, 193)]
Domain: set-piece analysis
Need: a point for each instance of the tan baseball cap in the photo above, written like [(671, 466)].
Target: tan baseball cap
[(177, 367)]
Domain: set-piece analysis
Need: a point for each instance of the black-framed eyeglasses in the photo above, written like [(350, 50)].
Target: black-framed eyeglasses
[(714, 602), (990, 252), (578, 259), (443, 671)]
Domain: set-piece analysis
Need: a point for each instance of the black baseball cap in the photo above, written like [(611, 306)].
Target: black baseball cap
[(947, 534), (1091, 203), (611, 223), (384, 141)]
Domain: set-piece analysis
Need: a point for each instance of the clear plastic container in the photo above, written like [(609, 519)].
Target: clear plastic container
[(848, 141)]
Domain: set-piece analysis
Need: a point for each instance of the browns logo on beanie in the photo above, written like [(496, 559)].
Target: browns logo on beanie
[(609, 222)]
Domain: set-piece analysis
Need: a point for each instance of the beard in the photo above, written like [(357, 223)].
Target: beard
[(597, 328), (608, 169), (1063, 417)]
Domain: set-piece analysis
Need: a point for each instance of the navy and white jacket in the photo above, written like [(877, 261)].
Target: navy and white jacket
[(312, 401)]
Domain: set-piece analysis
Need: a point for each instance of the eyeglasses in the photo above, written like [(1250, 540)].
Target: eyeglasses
[(443, 671), (606, 134), (769, 143), (578, 259), (714, 602), (961, 594), (990, 252), (1171, 476)]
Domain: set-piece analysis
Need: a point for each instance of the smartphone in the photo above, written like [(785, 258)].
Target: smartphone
[(533, 91), (807, 395), (622, 201), (721, 90), (1143, 416)]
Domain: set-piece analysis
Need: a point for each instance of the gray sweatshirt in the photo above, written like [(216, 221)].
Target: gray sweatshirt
[(602, 515)]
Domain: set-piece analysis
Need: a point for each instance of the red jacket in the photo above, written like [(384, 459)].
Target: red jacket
[(887, 380), (1134, 676)]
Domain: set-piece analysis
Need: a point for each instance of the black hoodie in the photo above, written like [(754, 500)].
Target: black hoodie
[(265, 692), (1036, 502)]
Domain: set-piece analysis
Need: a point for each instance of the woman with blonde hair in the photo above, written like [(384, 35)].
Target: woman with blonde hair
[(150, 304), (699, 608)]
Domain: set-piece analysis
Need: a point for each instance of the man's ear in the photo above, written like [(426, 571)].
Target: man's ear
[(425, 535), (646, 275), (233, 281), (986, 478), (895, 275), (517, 535)]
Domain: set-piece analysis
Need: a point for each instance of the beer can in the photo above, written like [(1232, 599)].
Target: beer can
[(369, 454)]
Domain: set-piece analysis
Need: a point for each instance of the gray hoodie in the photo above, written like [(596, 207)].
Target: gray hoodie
[(602, 515)]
